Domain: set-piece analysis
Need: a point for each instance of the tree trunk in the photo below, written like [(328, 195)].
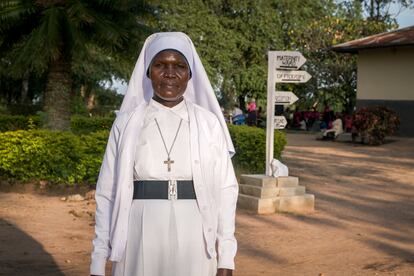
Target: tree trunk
[(57, 97), (91, 101), (24, 99)]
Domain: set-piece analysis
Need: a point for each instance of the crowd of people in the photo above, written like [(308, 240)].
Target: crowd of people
[(253, 116), (329, 123)]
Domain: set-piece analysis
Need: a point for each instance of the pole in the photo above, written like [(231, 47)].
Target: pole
[(271, 84)]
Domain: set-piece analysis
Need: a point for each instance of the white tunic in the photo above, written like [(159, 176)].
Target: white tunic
[(165, 237)]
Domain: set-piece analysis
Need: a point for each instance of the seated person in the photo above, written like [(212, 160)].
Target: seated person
[(336, 128)]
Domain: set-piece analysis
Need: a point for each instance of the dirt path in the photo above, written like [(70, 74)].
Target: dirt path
[(364, 223)]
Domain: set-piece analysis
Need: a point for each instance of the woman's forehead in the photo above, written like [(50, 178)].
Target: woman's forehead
[(171, 54)]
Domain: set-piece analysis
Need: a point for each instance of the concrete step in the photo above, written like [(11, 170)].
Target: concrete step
[(258, 205), (297, 204), (287, 181), (259, 192), (292, 191), (259, 180)]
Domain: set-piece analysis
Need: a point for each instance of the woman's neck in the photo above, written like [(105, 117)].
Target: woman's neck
[(167, 103)]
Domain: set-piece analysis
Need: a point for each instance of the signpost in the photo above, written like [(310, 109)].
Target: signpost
[(280, 122), (292, 76), (289, 60), (282, 68), (285, 97)]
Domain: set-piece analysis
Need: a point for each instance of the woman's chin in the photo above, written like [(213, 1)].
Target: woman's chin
[(170, 98)]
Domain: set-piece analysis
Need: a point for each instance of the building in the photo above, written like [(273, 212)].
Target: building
[(386, 73)]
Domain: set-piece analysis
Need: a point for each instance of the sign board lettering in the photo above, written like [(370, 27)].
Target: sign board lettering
[(289, 60), (292, 76), (280, 122), (285, 97)]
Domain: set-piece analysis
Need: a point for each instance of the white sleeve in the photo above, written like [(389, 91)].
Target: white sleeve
[(229, 189), (105, 194)]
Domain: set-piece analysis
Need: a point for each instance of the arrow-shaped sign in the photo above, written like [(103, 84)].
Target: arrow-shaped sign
[(289, 60), (280, 122), (292, 76), (285, 97)]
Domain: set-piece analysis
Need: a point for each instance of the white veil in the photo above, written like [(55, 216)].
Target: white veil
[(199, 89)]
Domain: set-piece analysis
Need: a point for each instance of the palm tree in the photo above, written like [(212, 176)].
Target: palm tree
[(55, 36)]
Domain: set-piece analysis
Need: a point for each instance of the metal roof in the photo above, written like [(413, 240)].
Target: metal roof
[(399, 38)]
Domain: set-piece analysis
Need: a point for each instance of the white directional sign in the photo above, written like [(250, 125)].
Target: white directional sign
[(282, 68), (285, 97), (289, 60), (292, 76), (280, 122)]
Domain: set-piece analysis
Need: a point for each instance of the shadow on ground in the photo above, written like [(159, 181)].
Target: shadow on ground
[(21, 255)]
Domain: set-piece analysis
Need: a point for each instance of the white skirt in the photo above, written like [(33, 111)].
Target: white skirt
[(165, 238)]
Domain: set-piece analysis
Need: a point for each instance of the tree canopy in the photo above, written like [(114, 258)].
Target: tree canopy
[(57, 50), (233, 38)]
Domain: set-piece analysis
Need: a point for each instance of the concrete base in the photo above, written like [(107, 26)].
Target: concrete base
[(265, 195), (259, 205)]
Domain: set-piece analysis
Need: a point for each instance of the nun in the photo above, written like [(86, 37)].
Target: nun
[(166, 193)]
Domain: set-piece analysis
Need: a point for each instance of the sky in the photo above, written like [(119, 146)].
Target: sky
[(404, 19)]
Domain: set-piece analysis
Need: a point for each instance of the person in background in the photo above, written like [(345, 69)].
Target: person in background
[(252, 113), (297, 118), (348, 123), (327, 117), (260, 117), (238, 117), (336, 129)]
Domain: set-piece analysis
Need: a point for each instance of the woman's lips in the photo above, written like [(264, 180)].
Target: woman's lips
[(170, 85)]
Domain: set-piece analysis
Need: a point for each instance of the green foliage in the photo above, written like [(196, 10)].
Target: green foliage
[(375, 123), (16, 122), (63, 157), (233, 38), (83, 125), (78, 125), (250, 145), (85, 41), (59, 157)]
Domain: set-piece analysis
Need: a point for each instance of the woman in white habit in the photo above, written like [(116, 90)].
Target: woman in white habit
[(166, 194)]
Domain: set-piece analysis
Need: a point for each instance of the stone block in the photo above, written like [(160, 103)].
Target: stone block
[(297, 204), (258, 205), (292, 191), (287, 181), (259, 180), (259, 192)]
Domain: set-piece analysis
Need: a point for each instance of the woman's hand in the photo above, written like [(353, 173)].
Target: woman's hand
[(224, 272)]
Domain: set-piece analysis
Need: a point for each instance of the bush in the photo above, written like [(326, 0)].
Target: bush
[(83, 125), (59, 157), (16, 122), (250, 145), (63, 157), (374, 123), (78, 124)]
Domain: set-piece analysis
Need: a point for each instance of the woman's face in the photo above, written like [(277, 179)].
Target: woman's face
[(169, 74)]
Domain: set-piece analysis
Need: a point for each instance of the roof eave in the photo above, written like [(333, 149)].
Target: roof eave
[(355, 50)]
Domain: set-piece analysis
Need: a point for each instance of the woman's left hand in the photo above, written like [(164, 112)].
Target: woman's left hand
[(224, 272)]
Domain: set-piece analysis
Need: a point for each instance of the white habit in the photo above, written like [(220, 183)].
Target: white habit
[(165, 237)]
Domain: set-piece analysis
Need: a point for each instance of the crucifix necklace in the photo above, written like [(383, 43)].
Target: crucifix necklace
[(168, 162)]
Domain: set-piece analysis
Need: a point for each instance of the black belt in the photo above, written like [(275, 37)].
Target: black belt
[(164, 189)]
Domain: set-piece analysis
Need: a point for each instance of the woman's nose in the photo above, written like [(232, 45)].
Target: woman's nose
[(170, 72)]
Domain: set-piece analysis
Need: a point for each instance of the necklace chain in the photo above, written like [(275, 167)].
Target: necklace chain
[(163, 141)]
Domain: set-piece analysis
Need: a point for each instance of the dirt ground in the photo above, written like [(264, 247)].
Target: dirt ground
[(363, 223)]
